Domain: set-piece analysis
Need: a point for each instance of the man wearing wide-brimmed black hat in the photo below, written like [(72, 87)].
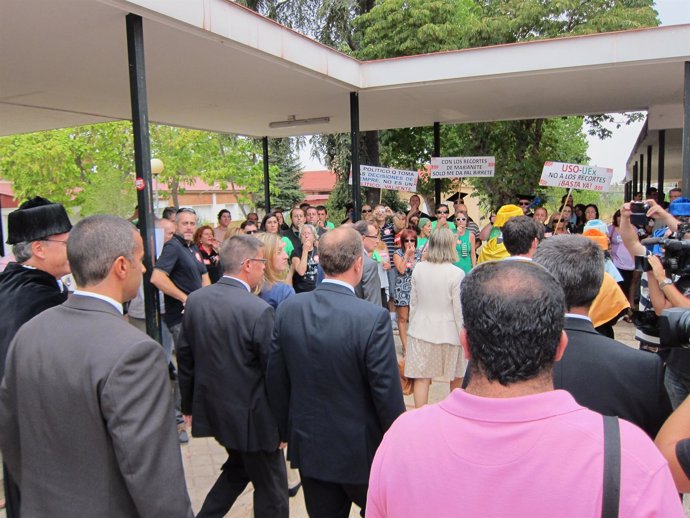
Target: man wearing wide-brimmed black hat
[(38, 232)]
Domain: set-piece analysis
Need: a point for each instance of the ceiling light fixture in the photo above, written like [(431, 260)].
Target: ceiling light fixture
[(293, 121)]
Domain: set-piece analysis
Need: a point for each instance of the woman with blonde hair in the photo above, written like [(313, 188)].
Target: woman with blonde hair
[(435, 319), (274, 290)]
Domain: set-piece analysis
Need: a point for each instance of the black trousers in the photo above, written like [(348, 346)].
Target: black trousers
[(265, 470), (332, 500)]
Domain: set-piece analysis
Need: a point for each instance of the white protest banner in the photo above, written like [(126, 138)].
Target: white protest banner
[(576, 176), (384, 178), (462, 166)]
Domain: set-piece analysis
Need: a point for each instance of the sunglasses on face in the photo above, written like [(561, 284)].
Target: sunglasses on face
[(460, 219), (523, 203), (409, 241), (366, 210), (441, 212), (250, 232)]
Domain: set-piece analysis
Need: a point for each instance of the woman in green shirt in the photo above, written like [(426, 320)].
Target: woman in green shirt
[(464, 245)]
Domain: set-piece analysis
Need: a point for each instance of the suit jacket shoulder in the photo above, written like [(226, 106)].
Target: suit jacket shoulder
[(611, 378)]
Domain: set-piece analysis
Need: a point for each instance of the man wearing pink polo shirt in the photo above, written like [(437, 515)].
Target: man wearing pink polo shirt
[(509, 445)]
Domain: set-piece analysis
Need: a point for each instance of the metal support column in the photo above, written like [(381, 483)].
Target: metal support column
[(649, 166), (354, 138), (437, 153), (142, 162), (267, 180), (660, 163), (634, 180), (641, 172), (686, 132)]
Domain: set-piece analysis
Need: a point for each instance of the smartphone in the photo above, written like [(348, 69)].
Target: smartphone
[(638, 216)]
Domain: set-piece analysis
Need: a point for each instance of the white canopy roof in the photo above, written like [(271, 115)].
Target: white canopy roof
[(214, 65)]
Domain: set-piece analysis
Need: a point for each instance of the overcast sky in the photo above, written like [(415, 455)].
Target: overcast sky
[(612, 152)]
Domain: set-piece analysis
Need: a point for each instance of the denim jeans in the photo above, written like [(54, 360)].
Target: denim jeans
[(677, 386)]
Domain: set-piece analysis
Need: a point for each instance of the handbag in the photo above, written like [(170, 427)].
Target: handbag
[(405, 382)]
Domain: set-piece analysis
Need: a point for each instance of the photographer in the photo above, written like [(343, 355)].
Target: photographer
[(662, 291), (674, 444)]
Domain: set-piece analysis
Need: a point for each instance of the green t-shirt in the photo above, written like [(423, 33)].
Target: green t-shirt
[(288, 246)]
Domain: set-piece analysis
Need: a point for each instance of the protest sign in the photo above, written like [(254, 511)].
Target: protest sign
[(384, 178), (462, 166), (576, 176)]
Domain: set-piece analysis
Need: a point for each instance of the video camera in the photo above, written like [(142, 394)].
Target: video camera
[(674, 328), (676, 258)]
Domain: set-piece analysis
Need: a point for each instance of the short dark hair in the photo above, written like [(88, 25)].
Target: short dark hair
[(577, 263), (513, 312), (520, 232), (338, 250), (322, 207), (93, 245), (224, 211), (169, 211)]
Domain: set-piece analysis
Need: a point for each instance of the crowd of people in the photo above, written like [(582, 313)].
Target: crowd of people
[(282, 332)]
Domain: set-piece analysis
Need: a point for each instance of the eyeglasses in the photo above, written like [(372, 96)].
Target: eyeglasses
[(442, 212), (460, 219), (523, 203), (186, 209), (366, 210), (409, 241), (257, 260), (250, 231), (376, 236), (56, 241)]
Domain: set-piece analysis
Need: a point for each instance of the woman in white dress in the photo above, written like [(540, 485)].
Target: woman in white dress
[(433, 345)]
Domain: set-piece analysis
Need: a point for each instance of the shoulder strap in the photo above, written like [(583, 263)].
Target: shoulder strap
[(612, 468)]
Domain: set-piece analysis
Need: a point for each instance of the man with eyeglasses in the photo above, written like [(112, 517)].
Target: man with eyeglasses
[(524, 202), (178, 272), (442, 213), (38, 232), (369, 288), (223, 385), (249, 227)]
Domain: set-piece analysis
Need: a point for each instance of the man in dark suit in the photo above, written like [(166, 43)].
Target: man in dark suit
[(225, 338), (603, 375), (369, 288), (333, 380), (86, 424)]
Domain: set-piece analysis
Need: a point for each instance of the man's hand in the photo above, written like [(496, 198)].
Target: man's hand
[(657, 268)]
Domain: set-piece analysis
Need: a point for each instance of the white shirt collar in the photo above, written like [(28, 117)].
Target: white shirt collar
[(581, 317), (517, 258), (240, 281), (339, 283), (105, 298)]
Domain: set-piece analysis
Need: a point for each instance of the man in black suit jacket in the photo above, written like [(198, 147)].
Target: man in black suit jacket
[(603, 375), (225, 339), (333, 380)]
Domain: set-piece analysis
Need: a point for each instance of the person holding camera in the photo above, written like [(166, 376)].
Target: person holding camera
[(665, 288)]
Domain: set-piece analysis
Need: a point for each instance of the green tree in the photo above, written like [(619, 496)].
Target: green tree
[(285, 185), (403, 27)]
